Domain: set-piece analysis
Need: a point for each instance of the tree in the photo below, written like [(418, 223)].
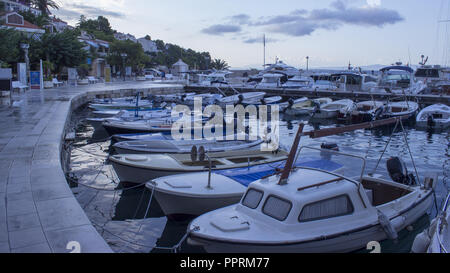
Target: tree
[(135, 54), (219, 64), (44, 6), (100, 28)]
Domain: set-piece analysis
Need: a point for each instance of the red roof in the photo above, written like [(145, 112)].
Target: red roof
[(26, 24)]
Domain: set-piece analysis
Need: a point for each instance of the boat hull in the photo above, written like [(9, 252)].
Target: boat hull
[(341, 243), (174, 204)]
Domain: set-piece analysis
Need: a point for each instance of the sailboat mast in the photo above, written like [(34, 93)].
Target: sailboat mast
[(264, 46)]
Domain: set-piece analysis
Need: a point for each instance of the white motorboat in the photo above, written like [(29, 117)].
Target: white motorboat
[(142, 137), (310, 210), (122, 105), (143, 168), (436, 238), (198, 193), (367, 110), (340, 109), (284, 105), (434, 116), (299, 82), (124, 115), (182, 146), (306, 107), (326, 85), (399, 79), (207, 99), (263, 101), (400, 108), (250, 97), (270, 80), (172, 98)]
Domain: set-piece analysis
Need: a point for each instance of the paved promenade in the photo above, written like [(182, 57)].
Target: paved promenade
[(38, 212)]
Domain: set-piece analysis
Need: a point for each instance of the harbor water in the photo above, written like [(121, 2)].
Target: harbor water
[(117, 210)]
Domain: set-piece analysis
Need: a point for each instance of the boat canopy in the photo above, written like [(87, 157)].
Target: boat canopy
[(398, 67)]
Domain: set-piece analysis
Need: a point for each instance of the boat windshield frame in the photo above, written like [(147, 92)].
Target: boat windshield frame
[(340, 154)]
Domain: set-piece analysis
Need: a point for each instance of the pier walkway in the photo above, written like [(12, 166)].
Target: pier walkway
[(38, 211)]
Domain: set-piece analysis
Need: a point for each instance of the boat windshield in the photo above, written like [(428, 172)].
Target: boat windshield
[(347, 165)]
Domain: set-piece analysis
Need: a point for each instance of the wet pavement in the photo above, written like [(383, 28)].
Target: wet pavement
[(38, 211)]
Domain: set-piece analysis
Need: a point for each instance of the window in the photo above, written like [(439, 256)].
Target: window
[(252, 198), (277, 208), (333, 207)]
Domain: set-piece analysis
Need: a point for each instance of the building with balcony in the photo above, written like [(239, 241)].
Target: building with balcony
[(19, 5)]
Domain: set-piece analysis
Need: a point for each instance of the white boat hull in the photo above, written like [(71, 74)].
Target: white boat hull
[(177, 204), (345, 242)]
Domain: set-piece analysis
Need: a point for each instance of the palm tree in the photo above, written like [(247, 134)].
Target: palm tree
[(219, 64), (44, 6)]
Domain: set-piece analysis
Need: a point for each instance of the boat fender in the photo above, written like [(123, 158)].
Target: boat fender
[(421, 243), (194, 153), (201, 153), (387, 226)]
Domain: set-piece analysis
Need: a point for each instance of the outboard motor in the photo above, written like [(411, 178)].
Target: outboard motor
[(263, 102), (378, 113), (241, 99), (290, 103), (398, 171), (183, 98), (330, 146)]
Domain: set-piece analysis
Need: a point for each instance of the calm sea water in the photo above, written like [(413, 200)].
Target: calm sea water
[(117, 209)]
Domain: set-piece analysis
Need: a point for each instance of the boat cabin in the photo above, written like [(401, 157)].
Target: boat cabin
[(354, 82)]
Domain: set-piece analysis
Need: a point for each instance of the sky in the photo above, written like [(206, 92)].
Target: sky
[(331, 32)]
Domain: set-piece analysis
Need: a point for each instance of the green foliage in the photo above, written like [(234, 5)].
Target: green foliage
[(99, 28), (170, 54), (10, 51), (44, 6), (135, 54), (219, 64), (83, 70), (61, 49)]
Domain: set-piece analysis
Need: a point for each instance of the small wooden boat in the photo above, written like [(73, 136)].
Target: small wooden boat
[(306, 107), (434, 116), (335, 109), (367, 111), (263, 101), (284, 105), (143, 168), (181, 146), (207, 99), (400, 108), (122, 105)]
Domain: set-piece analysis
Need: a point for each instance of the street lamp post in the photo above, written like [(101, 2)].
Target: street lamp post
[(25, 48), (307, 63), (124, 56)]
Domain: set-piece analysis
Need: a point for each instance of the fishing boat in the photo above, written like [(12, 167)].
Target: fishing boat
[(367, 111), (306, 107), (310, 210), (335, 109), (198, 193), (181, 146), (284, 105), (400, 108), (172, 98), (143, 168), (250, 97), (124, 115), (141, 137), (434, 116), (435, 238)]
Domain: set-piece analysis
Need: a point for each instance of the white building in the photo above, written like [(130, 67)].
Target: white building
[(148, 45), (19, 5), (123, 37), (15, 21), (179, 68)]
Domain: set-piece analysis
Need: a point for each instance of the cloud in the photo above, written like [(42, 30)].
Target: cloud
[(221, 29), (258, 40), (302, 22), (73, 11), (240, 19)]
